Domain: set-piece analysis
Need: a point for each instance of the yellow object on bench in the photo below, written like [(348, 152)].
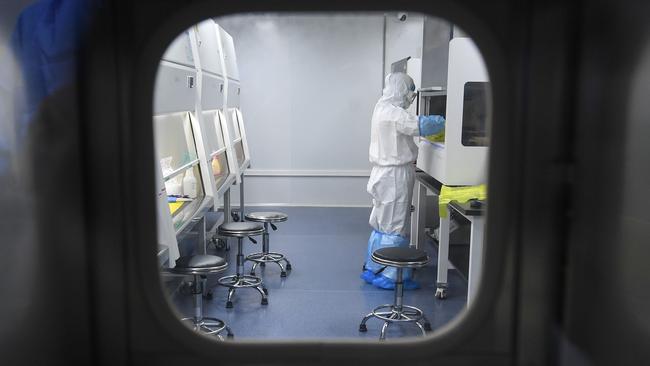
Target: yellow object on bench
[(438, 137), (460, 194), (174, 206)]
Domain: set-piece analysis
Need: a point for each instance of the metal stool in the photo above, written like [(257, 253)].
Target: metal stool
[(197, 266), (240, 230), (400, 258), (265, 256)]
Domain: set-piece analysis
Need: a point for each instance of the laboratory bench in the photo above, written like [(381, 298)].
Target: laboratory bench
[(462, 248)]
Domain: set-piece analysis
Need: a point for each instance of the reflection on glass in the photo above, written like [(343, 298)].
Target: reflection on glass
[(213, 131), (222, 132), (434, 103), (220, 168), (239, 152), (176, 152), (174, 140), (475, 114), (185, 205), (235, 123)]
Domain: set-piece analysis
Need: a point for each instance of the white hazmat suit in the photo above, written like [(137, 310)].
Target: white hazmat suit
[(392, 153)]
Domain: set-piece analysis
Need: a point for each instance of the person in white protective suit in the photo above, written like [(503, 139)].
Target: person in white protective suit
[(392, 153)]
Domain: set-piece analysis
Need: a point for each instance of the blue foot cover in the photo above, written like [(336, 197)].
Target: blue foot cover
[(368, 276), (388, 284)]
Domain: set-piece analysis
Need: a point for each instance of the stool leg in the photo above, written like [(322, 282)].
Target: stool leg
[(253, 268), (399, 291), (362, 326), (240, 256), (241, 198), (283, 272), (231, 292), (427, 324), (265, 239), (421, 328), (261, 290), (266, 249), (265, 243), (288, 266), (198, 300), (382, 335)]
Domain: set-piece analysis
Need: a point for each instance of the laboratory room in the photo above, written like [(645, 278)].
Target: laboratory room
[(321, 176)]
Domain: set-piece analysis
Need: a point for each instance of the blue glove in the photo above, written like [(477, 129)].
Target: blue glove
[(431, 125)]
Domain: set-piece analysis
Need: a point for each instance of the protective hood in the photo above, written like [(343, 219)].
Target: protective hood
[(399, 90)]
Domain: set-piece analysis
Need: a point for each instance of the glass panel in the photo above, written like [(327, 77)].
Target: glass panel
[(220, 169), (174, 141), (475, 114), (434, 104), (211, 133), (235, 123), (239, 152), (192, 194), (218, 125), (303, 43), (240, 122)]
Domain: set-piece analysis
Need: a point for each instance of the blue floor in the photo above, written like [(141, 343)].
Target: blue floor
[(323, 296)]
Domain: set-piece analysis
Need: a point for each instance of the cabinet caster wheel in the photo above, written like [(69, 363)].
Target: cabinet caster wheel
[(441, 293), (283, 274), (427, 326), (229, 305), (265, 301), (288, 267), (266, 292), (235, 216), (363, 328)]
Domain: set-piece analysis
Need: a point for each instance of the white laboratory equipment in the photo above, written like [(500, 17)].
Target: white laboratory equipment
[(231, 108), (218, 153), (461, 158), (176, 132), (232, 113)]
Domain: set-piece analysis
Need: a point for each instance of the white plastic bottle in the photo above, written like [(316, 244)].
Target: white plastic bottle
[(189, 184), (174, 187)]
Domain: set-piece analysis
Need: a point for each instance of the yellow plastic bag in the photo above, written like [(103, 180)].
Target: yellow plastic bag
[(438, 137), (460, 194)]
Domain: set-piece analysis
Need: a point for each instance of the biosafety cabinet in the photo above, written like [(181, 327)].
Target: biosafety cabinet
[(231, 110), (460, 157), (181, 175), (218, 153)]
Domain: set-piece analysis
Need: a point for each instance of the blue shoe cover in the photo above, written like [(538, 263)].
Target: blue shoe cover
[(368, 276), (384, 282)]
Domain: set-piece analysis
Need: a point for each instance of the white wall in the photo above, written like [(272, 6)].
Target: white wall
[(309, 84)]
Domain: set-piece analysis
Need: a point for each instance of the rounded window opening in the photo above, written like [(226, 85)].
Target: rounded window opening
[(321, 176)]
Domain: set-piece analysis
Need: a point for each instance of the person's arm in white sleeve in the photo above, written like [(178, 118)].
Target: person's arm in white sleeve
[(408, 124), (420, 125)]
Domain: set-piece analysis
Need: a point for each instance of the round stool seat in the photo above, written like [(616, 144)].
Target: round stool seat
[(267, 217), (199, 264), (241, 229), (404, 257)]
